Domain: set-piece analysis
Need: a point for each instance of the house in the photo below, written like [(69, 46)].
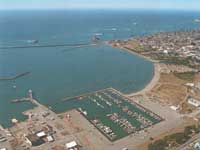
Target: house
[(41, 134), (175, 108), (72, 145), (190, 84), (194, 102), (197, 146), (165, 52), (50, 138), (34, 140)]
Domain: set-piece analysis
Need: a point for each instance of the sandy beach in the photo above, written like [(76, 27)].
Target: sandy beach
[(151, 84), (156, 75), (131, 51)]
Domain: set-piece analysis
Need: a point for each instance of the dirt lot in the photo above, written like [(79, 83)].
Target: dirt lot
[(170, 89), (187, 122)]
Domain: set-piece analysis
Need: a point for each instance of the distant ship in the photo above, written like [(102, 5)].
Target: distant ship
[(32, 41), (134, 23), (114, 29), (98, 34)]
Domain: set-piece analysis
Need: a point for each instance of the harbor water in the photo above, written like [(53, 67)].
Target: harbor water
[(60, 72)]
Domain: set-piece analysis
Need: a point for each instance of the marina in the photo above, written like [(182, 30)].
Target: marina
[(112, 113)]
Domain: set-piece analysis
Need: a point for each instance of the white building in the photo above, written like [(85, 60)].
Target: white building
[(194, 102), (165, 52), (41, 134), (71, 145), (190, 84), (50, 138), (175, 108)]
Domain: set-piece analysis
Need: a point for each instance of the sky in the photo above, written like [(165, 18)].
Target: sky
[(55, 4)]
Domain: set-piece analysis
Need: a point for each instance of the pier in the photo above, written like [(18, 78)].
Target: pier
[(24, 99), (15, 77), (28, 99), (84, 95)]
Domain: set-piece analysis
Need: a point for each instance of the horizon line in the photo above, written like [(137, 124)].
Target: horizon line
[(106, 8)]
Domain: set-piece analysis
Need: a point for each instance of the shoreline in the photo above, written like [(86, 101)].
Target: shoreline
[(132, 52), (156, 73), (151, 84), (140, 55)]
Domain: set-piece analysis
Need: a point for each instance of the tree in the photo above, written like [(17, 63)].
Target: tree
[(158, 145)]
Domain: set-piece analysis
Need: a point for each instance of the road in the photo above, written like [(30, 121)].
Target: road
[(185, 146)]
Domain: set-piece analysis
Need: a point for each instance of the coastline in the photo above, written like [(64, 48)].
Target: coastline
[(140, 55), (156, 73), (151, 84), (132, 51)]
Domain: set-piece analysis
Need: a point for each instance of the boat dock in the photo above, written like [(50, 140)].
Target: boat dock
[(84, 95)]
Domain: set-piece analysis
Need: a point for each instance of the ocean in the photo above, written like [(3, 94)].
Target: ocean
[(60, 72)]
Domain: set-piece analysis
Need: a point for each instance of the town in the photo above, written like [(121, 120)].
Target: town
[(180, 47)]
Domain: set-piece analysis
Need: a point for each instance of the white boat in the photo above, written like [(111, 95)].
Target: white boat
[(32, 41)]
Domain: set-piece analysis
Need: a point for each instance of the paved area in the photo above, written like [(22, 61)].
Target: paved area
[(5, 137)]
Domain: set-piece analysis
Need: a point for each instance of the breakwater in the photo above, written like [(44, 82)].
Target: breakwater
[(15, 77), (50, 45)]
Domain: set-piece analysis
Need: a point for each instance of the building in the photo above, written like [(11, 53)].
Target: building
[(34, 140), (190, 84), (72, 145), (197, 146), (41, 134), (50, 138), (194, 102), (165, 52), (175, 108)]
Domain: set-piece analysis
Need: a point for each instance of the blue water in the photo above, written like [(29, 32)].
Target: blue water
[(62, 72)]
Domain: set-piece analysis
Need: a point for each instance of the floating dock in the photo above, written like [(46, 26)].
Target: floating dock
[(84, 95)]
